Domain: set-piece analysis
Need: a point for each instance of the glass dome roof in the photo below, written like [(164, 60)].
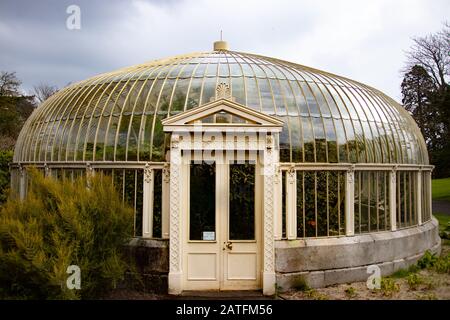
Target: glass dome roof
[(117, 116)]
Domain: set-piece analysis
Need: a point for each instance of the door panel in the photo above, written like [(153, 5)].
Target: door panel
[(241, 201), (202, 266), (201, 263), (241, 266), (221, 250), (202, 205), (241, 251)]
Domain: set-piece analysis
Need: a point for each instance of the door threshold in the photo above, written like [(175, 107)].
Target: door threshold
[(224, 295)]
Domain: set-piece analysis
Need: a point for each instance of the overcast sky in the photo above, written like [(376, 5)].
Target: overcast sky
[(363, 40)]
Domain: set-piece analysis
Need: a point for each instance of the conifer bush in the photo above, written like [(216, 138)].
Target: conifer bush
[(63, 223)]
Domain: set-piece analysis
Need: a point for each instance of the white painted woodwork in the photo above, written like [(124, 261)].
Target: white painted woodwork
[(219, 270), (418, 192), (349, 203), (392, 198), (147, 206), (291, 204)]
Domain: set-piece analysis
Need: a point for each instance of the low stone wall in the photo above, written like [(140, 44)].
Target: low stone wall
[(320, 262), (151, 257), (328, 261)]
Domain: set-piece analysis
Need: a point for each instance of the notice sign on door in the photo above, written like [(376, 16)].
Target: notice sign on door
[(209, 235)]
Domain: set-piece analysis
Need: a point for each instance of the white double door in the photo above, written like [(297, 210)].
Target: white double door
[(222, 220)]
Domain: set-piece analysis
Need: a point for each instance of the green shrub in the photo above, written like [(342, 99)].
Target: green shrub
[(403, 273), (427, 261), (313, 294), (414, 280), (400, 273), (62, 223), (350, 292), (6, 157), (389, 286), (442, 264), (445, 233)]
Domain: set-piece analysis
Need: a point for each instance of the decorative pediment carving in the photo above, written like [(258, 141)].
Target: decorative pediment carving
[(222, 112)]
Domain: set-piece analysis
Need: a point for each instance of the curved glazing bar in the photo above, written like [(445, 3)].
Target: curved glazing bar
[(117, 116)]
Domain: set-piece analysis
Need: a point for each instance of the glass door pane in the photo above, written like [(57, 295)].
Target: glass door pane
[(202, 214), (242, 201)]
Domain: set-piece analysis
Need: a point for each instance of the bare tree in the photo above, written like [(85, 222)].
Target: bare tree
[(9, 84), (432, 52), (43, 91)]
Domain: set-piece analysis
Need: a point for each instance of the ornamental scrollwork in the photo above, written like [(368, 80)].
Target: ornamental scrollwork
[(166, 173), (291, 174), (147, 173), (223, 91), (175, 141)]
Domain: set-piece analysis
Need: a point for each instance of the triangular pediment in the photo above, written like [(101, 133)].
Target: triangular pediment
[(221, 113)]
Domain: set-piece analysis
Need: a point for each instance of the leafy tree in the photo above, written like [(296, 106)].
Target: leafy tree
[(440, 151), (5, 158), (14, 112), (426, 94), (417, 89)]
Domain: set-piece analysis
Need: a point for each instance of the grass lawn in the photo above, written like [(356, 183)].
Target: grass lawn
[(443, 219), (441, 189)]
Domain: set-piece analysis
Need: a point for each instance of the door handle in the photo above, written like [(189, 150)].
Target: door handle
[(228, 245)]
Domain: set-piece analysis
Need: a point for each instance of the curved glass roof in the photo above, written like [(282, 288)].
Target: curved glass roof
[(117, 116)]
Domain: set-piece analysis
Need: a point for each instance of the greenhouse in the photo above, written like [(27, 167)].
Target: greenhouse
[(245, 172)]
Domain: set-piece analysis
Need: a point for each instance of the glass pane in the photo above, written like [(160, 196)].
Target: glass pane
[(202, 214), (300, 205), (242, 202), (310, 203), (322, 220), (157, 203)]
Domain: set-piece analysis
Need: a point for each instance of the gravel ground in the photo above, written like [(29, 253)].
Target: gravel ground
[(441, 206), (433, 286)]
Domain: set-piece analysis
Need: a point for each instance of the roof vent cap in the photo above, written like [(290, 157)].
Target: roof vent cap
[(220, 45)]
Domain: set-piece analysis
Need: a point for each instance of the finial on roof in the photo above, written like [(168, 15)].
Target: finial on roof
[(220, 45)]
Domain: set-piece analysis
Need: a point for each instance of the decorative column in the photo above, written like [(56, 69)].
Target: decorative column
[(350, 202), (418, 190), (147, 208), (175, 272), (278, 200), (22, 182), (291, 203), (393, 198), (89, 174), (268, 219), (165, 202), (429, 195), (47, 172)]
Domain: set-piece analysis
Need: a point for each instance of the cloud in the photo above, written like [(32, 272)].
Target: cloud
[(363, 40)]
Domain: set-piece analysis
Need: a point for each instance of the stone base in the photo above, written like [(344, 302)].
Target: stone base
[(151, 259), (269, 280), (319, 262), (328, 261)]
